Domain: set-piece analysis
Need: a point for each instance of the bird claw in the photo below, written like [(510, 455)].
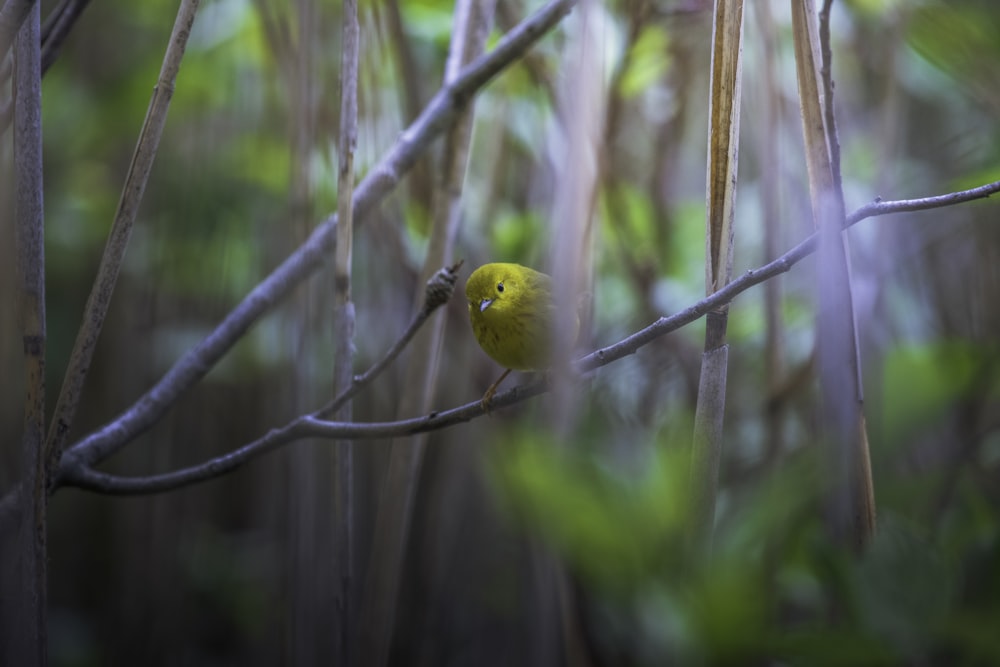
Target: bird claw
[(487, 399), (491, 392)]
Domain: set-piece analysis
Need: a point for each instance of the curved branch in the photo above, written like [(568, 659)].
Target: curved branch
[(193, 365), (74, 473), (302, 427)]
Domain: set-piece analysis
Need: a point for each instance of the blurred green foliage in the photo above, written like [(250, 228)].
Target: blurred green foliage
[(776, 585), (201, 575)]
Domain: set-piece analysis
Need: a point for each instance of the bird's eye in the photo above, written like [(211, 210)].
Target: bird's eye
[(499, 287)]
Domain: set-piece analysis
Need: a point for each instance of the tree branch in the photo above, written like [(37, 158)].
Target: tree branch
[(194, 364), (79, 474), (99, 300), (437, 293)]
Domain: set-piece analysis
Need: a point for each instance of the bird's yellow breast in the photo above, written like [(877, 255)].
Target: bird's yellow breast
[(511, 311)]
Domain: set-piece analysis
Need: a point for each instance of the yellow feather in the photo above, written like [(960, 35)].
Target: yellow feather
[(512, 316)]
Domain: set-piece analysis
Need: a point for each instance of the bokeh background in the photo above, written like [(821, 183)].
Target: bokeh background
[(523, 551)]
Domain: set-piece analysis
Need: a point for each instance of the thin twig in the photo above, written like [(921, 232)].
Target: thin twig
[(878, 207), (114, 253), (436, 294), (76, 473), (414, 141)]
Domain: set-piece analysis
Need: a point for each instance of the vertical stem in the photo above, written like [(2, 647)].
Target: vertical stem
[(851, 501), (582, 109), (312, 619), (344, 330), (399, 489), (860, 485), (723, 158), (770, 157), (582, 102), (31, 638)]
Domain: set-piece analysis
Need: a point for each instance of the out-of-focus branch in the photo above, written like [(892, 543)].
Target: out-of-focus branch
[(414, 141), (582, 108), (345, 568), (507, 14), (472, 22), (851, 497), (413, 86), (76, 473)]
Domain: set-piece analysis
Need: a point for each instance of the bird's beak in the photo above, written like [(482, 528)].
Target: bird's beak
[(484, 304)]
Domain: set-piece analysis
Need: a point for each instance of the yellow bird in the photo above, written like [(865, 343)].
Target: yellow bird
[(513, 317)]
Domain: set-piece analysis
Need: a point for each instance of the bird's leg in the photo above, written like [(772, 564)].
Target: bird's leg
[(488, 396)]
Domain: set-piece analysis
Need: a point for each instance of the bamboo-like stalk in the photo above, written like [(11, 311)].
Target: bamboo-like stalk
[(723, 154), (581, 107), (310, 586), (343, 332), (29, 642), (851, 503), (392, 523), (581, 104)]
